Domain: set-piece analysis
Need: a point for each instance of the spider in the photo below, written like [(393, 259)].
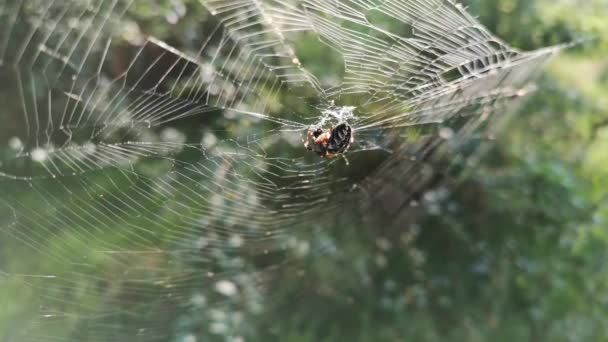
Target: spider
[(331, 143)]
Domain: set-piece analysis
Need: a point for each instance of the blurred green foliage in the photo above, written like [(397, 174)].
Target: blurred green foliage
[(515, 252)]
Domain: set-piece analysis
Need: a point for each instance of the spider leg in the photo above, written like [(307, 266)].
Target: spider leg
[(345, 159), (306, 141)]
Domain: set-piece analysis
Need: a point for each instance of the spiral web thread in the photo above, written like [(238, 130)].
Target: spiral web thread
[(145, 175)]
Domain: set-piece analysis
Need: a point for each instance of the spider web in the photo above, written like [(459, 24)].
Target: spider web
[(148, 176)]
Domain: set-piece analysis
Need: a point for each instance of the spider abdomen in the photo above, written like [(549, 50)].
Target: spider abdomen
[(340, 139)]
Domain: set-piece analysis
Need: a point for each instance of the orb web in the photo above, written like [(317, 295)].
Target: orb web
[(150, 171)]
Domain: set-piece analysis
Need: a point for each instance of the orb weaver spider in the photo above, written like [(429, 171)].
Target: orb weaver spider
[(333, 142)]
